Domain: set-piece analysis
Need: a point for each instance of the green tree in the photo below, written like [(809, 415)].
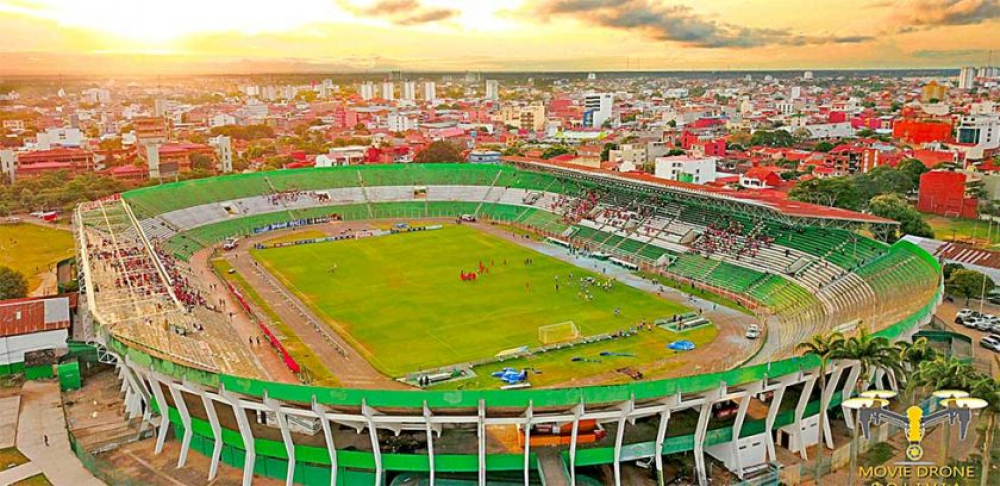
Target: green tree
[(606, 151), (894, 207), (823, 147), (201, 162), (13, 285), (834, 191), (438, 152), (948, 268), (913, 168), (821, 346), (772, 138), (987, 388), (555, 151), (968, 283), (883, 180), (871, 353)]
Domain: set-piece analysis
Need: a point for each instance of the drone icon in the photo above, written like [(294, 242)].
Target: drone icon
[(871, 411)]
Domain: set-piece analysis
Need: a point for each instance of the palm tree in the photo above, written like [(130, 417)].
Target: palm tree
[(871, 352), (821, 346), (911, 355), (987, 389), (946, 373)]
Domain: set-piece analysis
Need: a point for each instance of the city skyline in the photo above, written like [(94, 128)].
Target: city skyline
[(216, 37)]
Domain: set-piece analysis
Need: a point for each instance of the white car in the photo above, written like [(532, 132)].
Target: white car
[(991, 342), (753, 332)]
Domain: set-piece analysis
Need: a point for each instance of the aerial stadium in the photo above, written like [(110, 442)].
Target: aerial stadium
[(523, 323)]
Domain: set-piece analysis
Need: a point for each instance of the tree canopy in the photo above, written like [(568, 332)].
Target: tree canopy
[(438, 152), (13, 285), (772, 138), (893, 206), (968, 283)]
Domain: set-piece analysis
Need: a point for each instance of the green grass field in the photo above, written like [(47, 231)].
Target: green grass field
[(400, 300), (32, 249), (971, 231)]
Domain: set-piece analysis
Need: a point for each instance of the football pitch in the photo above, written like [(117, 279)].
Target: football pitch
[(401, 301)]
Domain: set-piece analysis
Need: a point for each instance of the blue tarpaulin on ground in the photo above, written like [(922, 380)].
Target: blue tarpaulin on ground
[(681, 345)]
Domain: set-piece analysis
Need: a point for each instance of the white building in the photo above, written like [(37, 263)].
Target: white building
[(682, 168), (96, 95), (32, 325), (796, 93), (430, 91), (342, 156), (224, 148), (388, 91), (967, 78), (978, 135), (630, 155), (825, 130), (8, 165), (221, 120), (398, 122), (410, 90), (597, 108), (808, 75), (492, 89), (63, 137), (367, 90)]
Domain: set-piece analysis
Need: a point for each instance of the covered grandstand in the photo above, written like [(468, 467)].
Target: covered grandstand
[(801, 269)]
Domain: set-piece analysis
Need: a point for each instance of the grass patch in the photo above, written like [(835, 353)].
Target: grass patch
[(315, 371), (649, 347), (32, 249), (702, 294), (400, 299), (36, 480), (294, 236), (11, 457), (972, 231)]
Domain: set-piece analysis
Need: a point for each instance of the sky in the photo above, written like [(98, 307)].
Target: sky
[(218, 36)]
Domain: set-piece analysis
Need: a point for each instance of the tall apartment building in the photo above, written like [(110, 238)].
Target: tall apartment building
[(492, 89), (388, 91), (967, 78), (430, 91), (979, 135), (367, 91), (409, 91), (597, 108)]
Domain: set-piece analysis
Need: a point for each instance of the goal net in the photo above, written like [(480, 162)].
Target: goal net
[(557, 333)]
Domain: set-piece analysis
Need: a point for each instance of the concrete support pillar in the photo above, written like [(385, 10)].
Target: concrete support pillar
[(848, 391), (213, 421), (369, 413), (661, 435), (574, 433), (626, 409), (286, 437), (246, 433), (331, 448), (700, 431), (772, 414), (182, 410), (481, 438), (430, 441), (528, 415), (741, 416), (824, 417), (161, 403), (800, 410)]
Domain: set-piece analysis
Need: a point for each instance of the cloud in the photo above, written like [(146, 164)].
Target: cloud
[(679, 23), (932, 13), (402, 12), (950, 54)]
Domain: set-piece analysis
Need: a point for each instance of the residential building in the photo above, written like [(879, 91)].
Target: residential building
[(388, 91), (150, 130), (492, 90), (681, 168), (399, 122), (8, 166), (224, 152), (367, 91), (933, 91), (59, 137), (978, 135), (764, 177), (629, 155), (409, 91), (967, 78), (430, 91), (597, 109), (921, 131)]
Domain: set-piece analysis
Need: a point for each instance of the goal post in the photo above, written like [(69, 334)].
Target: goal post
[(557, 333)]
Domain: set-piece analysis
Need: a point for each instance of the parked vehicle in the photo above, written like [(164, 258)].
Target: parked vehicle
[(753, 332), (991, 342)]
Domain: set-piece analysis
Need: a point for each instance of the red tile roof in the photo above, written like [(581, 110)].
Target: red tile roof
[(26, 316)]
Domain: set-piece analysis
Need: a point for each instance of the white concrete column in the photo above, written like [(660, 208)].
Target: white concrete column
[(738, 425), (800, 410), (481, 438), (848, 391), (246, 432), (574, 433), (286, 437), (369, 413), (699, 440), (182, 410), (331, 448), (429, 429), (661, 435), (826, 397), (772, 414), (161, 403), (626, 409), (213, 421), (528, 415)]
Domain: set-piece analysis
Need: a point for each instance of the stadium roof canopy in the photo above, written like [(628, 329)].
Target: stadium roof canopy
[(750, 199)]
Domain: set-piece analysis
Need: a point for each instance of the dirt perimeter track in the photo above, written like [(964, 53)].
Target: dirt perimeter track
[(729, 348)]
